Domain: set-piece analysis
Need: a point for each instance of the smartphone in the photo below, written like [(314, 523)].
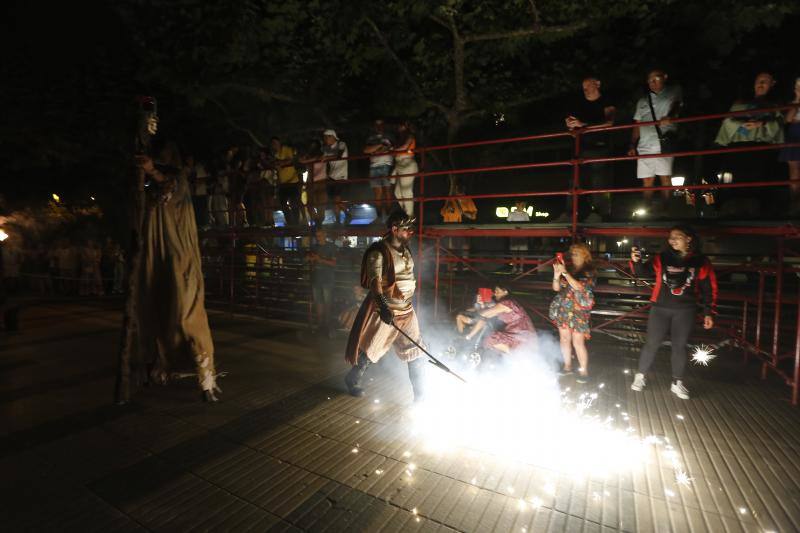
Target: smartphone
[(560, 257)]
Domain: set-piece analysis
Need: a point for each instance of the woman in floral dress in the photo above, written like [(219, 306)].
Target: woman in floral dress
[(571, 308)]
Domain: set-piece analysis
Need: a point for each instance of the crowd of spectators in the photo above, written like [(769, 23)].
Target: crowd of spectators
[(662, 103), (246, 187), (65, 267)]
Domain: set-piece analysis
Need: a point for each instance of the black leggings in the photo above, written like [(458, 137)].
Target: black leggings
[(679, 323)]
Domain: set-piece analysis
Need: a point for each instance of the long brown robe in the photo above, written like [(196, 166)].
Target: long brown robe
[(371, 335), (166, 324)]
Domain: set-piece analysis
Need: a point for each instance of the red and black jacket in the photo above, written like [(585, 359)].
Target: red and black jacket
[(681, 281)]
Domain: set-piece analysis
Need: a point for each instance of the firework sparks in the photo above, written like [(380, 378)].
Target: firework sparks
[(703, 355), (682, 478), (520, 414)]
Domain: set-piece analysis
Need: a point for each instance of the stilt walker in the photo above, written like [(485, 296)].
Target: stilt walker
[(165, 323)]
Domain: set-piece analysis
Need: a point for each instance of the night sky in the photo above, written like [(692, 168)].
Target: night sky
[(71, 72)]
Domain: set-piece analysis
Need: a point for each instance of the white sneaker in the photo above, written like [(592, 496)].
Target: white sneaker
[(638, 382), (679, 390)]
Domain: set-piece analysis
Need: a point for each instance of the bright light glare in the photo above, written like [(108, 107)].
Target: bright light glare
[(678, 181), (56, 197), (520, 414), (501, 212), (702, 355), (682, 478), (305, 176), (3, 235), (640, 212)]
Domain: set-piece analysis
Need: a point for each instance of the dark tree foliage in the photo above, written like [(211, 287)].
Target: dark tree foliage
[(238, 71)]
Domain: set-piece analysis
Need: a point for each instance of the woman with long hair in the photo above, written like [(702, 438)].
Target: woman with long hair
[(571, 308), (684, 281), (514, 327)]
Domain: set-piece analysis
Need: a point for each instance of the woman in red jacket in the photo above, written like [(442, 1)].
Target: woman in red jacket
[(684, 280)]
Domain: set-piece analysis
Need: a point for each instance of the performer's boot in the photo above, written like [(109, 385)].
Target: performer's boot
[(209, 396), (353, 378), (416, 373)]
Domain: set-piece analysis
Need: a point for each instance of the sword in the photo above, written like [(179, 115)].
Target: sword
[(431, 359)]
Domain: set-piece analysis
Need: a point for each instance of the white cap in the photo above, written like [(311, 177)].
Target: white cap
[(332, 133)]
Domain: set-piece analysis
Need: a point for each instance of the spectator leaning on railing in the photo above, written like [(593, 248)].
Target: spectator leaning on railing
[(255, 196), (590, 111), (234, 164), (404, 164), (661, 103), (288, 181), (317, 176), (379, 147), (268, 180), (792, 155), (218, 202), (334, 149), (756, 129)]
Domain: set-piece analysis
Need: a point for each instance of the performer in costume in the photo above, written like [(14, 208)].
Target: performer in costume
[(387, 271), (165, 325)]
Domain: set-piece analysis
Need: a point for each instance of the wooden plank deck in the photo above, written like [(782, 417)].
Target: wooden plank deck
[(287, 450)]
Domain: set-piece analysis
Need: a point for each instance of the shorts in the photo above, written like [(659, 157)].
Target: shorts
[(380, 171), (334, 188), (654, 166), (322, 293)]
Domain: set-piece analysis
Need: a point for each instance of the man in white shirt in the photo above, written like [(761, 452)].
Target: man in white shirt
[(333, 149), (666, 101)]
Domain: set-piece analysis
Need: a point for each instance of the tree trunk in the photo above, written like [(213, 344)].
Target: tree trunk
[(453, 127)]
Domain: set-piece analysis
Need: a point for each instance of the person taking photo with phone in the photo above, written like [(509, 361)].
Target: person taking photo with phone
[(571, 307)]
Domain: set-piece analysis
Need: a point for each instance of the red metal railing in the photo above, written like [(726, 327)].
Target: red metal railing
[(772, 358)]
